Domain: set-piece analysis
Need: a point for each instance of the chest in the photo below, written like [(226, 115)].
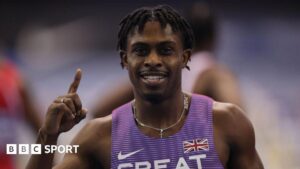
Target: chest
[(193, 146), (189, 148), (189, 154)]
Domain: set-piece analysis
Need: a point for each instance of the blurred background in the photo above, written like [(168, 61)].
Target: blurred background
[(259, 40)]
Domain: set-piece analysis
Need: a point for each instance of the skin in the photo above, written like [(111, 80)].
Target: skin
[(217, 82), (234, 135), (31, 113), (220, 84)]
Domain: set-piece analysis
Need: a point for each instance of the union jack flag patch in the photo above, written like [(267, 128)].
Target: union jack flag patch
[(195, 145)]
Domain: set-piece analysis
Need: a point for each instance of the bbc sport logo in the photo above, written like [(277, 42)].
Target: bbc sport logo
[(37, 149)]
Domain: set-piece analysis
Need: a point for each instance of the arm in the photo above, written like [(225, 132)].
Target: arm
[(239, 136), (45, 160), (119, 95), (243, 153), (31, 114), (86, 140), (94, 142), (65, 112), (91, 143), (220, 84)]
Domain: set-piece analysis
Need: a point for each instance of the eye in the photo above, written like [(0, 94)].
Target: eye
[(166, 51), (140, 51)]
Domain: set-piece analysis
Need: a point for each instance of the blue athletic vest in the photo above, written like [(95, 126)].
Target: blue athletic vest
[(192, 147)]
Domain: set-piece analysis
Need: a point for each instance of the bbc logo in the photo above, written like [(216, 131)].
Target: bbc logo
[(23, 149), (37, 149)]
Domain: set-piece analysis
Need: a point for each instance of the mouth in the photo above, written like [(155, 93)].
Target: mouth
[(153, 78)]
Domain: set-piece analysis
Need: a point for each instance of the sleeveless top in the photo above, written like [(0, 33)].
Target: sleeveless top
[(191, 147)]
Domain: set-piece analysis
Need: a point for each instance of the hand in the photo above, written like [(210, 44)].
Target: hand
[(65, 111)]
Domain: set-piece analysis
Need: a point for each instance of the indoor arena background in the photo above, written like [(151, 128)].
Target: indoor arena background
[(259, 41)]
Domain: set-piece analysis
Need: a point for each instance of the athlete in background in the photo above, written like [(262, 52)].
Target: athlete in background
[(15, 105)]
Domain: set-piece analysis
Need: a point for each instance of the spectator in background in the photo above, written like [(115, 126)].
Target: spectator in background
[(15, 105), (206, 76)]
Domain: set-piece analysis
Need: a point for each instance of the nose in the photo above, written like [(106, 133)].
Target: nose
[(153, 60)]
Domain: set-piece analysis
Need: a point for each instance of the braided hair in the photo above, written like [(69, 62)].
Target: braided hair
[(164, 15)]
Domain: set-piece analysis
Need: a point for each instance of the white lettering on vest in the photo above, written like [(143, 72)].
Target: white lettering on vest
[(182, 164), (125, 165), (143, 165), (198, 158), (158, 164)]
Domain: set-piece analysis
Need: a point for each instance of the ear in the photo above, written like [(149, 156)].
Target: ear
[(123, 56), (186, 58)]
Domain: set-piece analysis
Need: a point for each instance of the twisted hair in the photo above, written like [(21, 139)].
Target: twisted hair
[(164, 15)]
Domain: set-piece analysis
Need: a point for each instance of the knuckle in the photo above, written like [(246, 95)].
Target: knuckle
[(68, 101), (54, 108), (76, 96), (71, 94), (60, 105)]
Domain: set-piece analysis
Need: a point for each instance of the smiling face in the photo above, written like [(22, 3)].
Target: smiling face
[(154, 59)]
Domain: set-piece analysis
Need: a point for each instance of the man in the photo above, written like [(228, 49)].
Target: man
[(206, 75), (163, 127)]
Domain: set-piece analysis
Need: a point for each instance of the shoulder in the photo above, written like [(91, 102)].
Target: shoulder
[(93, 142), (227, 110), (95, 134), (98, 127), (213, 75), (217, 72), (232, 122), (219, 83), (235, 132)]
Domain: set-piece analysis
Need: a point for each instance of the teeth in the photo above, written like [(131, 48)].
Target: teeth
[(153, 77)]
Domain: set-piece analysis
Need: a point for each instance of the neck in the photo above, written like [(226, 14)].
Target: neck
[(160, 114)]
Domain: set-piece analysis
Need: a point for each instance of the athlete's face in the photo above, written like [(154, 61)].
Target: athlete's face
[(154, 59)]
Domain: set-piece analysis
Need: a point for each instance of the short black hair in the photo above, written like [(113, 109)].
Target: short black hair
[(164, 14)]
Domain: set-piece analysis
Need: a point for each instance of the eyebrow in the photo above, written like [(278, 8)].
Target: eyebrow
[(159, 44)]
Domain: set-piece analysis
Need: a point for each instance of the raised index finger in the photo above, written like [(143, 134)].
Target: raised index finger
[(74, 85)]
